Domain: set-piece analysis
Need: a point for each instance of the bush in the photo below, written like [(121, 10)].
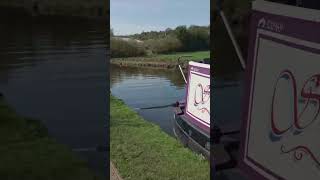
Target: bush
[(165, 45), (126, 48), (182, 38)]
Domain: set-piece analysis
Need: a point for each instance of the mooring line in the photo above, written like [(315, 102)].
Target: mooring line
[(156, 107)]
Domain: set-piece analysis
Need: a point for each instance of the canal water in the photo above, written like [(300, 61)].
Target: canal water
[(227, 102), (228, 108), (142, 88), (55, 71)]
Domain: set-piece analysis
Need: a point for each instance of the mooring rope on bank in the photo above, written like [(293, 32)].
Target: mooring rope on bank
[(157, 107)]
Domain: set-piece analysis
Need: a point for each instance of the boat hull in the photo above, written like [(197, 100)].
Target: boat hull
[(191, 136)]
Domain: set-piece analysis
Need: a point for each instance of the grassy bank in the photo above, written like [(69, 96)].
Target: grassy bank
[(26, 152), (167, 61), (141, 150), (197, 55)]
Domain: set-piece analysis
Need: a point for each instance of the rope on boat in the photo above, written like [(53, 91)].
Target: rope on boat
[(234, 41), (184, 78)]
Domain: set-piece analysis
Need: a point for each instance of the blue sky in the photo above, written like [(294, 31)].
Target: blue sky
[(134, 16)]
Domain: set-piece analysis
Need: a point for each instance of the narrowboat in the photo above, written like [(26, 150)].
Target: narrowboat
[(192, 115)]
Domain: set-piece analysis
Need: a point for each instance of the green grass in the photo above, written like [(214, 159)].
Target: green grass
[(26, 152), (141, 150), (197, 55)]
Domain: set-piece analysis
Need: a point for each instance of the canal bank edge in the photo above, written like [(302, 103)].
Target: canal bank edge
[(26, 151), (141, 150), (162, 61), (147, 63)]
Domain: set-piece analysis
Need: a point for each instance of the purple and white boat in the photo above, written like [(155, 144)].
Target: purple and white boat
[(192, 115)]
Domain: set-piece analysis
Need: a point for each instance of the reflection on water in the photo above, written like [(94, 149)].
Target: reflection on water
[(56, 72), (227, 99), (227, 102), (142, 87)]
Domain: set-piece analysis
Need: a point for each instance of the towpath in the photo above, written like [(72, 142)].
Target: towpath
[(114, 174)]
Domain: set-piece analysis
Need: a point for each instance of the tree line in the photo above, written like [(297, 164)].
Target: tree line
[(180, 39)]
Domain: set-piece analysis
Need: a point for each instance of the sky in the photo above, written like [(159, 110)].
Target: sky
[(135, 16)]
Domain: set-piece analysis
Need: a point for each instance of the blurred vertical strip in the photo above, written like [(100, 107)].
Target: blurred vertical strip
[(75, 8), (108, 57), (212, 74)]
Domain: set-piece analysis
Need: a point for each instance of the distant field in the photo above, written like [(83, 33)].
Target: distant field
[(197, 55)]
